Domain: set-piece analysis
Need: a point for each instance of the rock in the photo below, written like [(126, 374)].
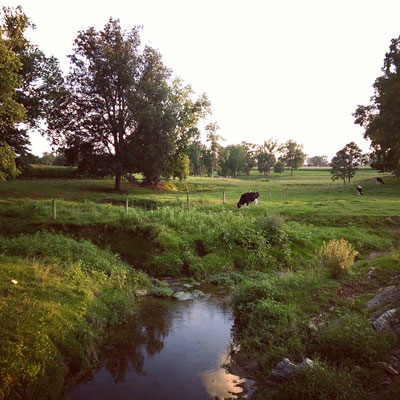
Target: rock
[(197, 293), (385, 320), (142, 292), (385, 367), (183, 296), (187, 285), (286, 370), (388, 294)]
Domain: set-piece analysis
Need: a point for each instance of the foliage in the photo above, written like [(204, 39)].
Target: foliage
[(120, 113), (279, 167), (344, 164), (292, 155), (380, 119), (352, 337), (266, 156), (318, 161), (39, 77), (337, 256), (11, 111), (162, 290), (53, 317), (215, 147), (321, 382), (8, 169)]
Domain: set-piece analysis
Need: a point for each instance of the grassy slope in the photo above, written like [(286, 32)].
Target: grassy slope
[(218, 239)]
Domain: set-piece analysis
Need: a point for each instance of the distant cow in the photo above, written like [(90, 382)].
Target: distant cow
[(359, 190), (247, 198), (379, 181)]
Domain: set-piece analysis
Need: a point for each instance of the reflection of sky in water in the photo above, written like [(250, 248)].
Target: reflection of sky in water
[(170, 350)]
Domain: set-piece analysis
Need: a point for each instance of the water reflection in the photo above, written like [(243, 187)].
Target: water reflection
[(167, 350)]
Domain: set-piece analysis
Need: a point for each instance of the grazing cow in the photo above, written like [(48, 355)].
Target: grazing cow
[(359, 190), (247, 198), (379, 181)]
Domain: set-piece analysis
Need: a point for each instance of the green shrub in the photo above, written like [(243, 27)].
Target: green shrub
[(352, 339), (321, 382), (162, 290), (211, 263), (337, 256)]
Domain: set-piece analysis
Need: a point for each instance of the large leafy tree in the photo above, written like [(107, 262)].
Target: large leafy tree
[(381, 119), (120, 113), (97, 116), (166, 125), (344, 164), (266, 157), (39, 79), (292, 155)]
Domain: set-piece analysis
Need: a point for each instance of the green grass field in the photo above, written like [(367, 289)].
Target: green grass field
[(74, 269)]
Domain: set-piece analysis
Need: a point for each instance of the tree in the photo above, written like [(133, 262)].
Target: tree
[(292, 155), (318, 161), (8, 170), (197, 151), (346, 161), (233, 160), (250, 157), (166, 124), (215, 147), (39, 78), (381, 119), (279, 167), (120, 110), (266, 156)]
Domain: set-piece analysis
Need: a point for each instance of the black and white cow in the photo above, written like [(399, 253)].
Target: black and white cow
[(359, 190), (247, 198), (379, 181)]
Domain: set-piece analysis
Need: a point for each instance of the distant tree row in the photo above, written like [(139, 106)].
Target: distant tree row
[(240, 159)]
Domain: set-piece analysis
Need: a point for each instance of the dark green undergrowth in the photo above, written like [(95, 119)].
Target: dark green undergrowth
[(73, 281), (298, 315), (66, 293)]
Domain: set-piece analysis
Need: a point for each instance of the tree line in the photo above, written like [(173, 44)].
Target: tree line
[(120, 110)]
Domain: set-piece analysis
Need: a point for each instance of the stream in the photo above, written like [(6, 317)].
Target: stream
[(168, 349)]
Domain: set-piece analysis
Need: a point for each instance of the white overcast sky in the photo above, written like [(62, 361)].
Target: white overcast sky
[(282, 69)]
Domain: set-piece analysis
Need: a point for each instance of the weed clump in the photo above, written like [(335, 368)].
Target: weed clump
[(271, 225), (337, 256)]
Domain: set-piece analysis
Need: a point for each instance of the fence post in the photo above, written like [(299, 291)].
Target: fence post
[(54, 209), (187, 200), (126, 206), (223, 197), (270, 193)]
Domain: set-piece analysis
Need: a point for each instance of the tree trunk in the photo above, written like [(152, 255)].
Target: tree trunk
[(118, 176), (157, 182), (291, 171)]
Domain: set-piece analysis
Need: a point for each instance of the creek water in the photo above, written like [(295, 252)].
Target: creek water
[(168, 349)]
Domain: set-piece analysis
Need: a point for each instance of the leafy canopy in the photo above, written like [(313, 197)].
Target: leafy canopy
[(344, 164), (381, 119)]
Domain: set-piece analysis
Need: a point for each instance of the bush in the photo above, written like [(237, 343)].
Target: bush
[(337, 256), (162, 290), (351, 340), (271, 225), (321, 382)]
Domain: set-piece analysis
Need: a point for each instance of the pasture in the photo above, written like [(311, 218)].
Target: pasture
[(84, 255)]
